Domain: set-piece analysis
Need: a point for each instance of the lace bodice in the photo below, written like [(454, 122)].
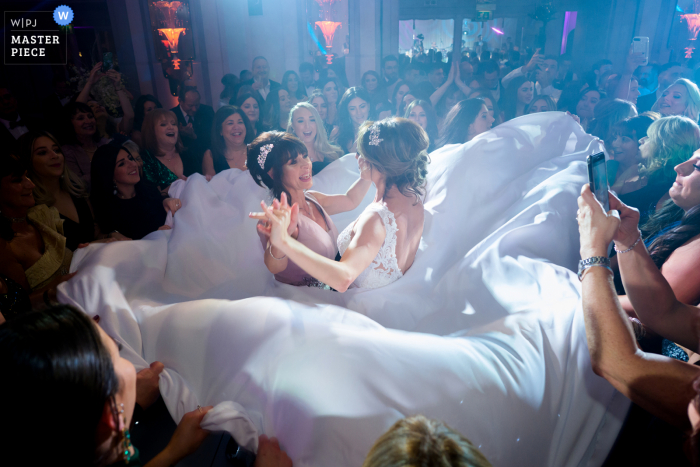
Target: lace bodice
[(384, 268)]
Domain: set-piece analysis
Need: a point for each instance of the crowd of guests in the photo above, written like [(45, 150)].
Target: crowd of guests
[(86, 174)]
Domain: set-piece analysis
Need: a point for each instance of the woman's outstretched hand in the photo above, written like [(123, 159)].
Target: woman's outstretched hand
[(276, 223)]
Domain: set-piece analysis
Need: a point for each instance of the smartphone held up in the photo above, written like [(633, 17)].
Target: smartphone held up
[(598, 178)]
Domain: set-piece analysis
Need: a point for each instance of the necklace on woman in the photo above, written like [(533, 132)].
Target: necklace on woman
[(16, 220), (243, 151)]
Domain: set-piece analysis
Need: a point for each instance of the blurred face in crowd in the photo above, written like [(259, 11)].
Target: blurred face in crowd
[(304, 125), (587, 103), (647, 147), (436, 77), (563, 68), (419, 116), (526, 92), (370, 83), (246, 75), (648, 78), (391, 70), (126, 170), (540, 105), (233, 130), (16, 192), (685, 191), (603, 70), (673, 100), (401, 92), (625, 148), (320, 106), (548, 72), (359, 111), (292, 83), (97, 110), (466, 72), (634, 91), (482, 123), (84, 124), (452, 99), (307, 77), (491, 80), (191, 103), (260, 70), (330, 90), (166, 131), (489, 106), (8, 103), (285, 102), (149, 107), (251, 109), (331, 73), (669, 76), (47, 158), (296, 173), (412, 76)]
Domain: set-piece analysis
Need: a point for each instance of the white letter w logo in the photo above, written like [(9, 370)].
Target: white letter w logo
[(62, 15)]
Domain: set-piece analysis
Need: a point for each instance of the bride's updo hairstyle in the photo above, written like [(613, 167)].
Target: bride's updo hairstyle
[(397, 148), (285, 146)]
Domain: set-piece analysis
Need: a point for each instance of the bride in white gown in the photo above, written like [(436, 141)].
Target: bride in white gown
[(381, 244), (484, 330)]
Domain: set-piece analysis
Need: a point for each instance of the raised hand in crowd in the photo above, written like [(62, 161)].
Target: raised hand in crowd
[(536, 61)]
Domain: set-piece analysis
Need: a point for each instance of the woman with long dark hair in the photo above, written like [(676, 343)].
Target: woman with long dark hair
[(230, 136), (353, 110), (331, 90), (122, 201), (277, 107), (516, 97), (374, 85), (467, 119), (64, 367), (253, 108), (319, 101)]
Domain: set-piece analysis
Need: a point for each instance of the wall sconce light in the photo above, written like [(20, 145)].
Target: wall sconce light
[(173, 39), (327, 26)]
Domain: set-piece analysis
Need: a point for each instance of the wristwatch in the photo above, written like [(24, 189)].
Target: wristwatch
[(584, 264)]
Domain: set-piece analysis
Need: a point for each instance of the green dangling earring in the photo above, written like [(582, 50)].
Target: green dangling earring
[(126, 438)]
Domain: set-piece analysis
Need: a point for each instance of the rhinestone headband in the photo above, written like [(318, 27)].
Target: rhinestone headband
[(264, 151), (374, 138)]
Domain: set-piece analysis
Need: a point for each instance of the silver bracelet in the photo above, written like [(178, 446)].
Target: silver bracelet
[(269, 249), (585, 264), (630, 248)]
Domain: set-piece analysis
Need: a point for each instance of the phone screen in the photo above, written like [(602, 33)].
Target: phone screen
[(598, 178), (107, 62)]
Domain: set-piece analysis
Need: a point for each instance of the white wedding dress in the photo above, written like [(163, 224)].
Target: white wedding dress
[(485, 330), (384, 268)]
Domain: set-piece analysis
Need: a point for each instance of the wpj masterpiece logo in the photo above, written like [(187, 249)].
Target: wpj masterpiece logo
[(37, 37)]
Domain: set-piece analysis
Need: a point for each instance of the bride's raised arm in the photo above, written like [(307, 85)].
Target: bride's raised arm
[(363, 248), (335, 204)]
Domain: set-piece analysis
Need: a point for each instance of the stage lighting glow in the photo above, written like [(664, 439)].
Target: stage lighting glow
[(497, 31)]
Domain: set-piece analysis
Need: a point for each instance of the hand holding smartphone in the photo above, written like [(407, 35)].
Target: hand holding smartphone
[(598, 178)]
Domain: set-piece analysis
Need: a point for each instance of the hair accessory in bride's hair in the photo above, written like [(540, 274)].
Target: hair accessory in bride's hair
[(264, 151), (374, 138)]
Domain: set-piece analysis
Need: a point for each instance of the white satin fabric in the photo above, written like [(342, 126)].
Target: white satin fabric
[(484, 331)]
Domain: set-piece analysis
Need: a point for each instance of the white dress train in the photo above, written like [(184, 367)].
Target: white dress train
[(484, 331)]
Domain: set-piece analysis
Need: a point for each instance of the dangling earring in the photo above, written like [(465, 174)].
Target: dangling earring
[(126, 438), (115, 188)]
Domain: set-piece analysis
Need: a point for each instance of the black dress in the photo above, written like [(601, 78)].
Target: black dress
[(82, 231), (136, 217), (646, 198)]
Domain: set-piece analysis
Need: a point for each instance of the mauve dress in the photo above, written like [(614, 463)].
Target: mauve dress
[(314, 237)]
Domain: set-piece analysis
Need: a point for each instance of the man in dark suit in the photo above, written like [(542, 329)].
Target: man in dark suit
[(261, 82), (194, 122)]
